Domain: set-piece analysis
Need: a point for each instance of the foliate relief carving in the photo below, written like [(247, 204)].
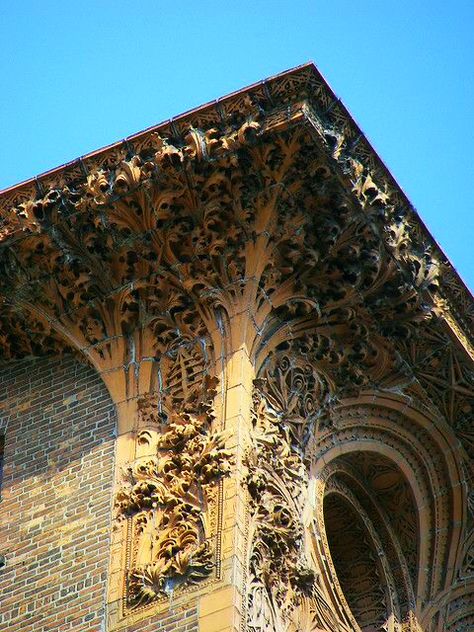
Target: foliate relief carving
[(150, 413), (166, 497), (460, 613), (295, 393), (182, 369), (447, 378), (283, 591), (163, 237), (278, 569), (467, 568)]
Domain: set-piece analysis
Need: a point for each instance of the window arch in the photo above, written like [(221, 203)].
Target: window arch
[(402, 467)]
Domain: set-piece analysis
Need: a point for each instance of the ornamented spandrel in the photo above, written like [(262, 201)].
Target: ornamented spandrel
[(284, 589), (166, 497)]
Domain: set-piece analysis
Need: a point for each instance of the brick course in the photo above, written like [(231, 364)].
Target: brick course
[(55, 511)]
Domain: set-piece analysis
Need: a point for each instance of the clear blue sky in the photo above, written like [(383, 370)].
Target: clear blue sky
[(77, 75)]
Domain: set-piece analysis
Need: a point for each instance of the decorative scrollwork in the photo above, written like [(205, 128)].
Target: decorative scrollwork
[(165, 498), (284, 591), (263, 222), (280, 574)]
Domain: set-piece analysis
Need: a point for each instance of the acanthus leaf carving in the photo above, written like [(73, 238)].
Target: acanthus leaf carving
[(138, 252), (165, 498), (284, 591)]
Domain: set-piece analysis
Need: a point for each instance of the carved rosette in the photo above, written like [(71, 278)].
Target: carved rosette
[(166, 499)]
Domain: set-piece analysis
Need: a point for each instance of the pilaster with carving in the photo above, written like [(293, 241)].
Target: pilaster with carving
[(165, 496)]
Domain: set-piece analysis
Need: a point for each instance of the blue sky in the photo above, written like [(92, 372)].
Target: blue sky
[(77, 75)]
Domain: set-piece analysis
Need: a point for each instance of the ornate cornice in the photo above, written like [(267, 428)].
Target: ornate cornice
[(298, 94), (269, 202)]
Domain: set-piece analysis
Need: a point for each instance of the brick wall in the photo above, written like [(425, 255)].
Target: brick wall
[(55, 509), (59, 425)]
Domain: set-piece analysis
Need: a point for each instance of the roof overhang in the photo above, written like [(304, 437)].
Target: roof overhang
[(278, 175)]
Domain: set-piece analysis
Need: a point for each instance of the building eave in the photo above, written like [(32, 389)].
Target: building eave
[(304, 81)]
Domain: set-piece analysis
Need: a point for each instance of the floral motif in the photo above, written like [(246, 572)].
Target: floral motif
[(165, 498)]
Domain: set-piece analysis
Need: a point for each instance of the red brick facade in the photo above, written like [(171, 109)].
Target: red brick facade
[(55, 513), (59, 425)]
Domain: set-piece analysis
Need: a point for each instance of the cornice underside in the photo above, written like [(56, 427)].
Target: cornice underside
[(277, 216)]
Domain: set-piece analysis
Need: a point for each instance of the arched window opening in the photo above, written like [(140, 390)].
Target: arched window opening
[(356, 564), (371, 525)]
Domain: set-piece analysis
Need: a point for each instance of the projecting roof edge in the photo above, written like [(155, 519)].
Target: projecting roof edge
[(340, 129), (183, 118)]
